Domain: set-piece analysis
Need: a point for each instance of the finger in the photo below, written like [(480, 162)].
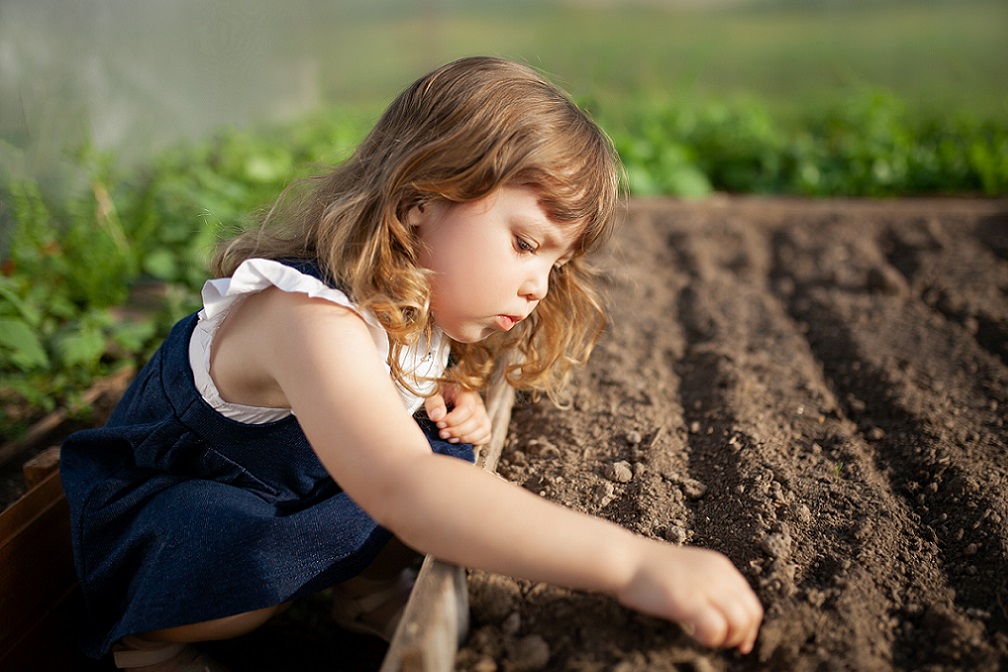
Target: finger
[(459, 414), (466, 401), (483, 438), (479, 437), (460, 430), (708, 626), (739, 621), (744, 613), (756, 612), (476, 432), (451, 393), (436, 407), (749, 640)]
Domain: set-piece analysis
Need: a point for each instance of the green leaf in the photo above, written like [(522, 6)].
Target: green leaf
[(22, 345), (133, 335), (640, 181), (688, 182), (82, 347), (162, 264), (263, 168), (27, 311)]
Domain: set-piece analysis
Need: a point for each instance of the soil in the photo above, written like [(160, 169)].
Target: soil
[(817, 389)]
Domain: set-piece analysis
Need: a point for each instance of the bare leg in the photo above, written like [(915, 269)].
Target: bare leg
[(168, 649), (218, 628), (386, 568)]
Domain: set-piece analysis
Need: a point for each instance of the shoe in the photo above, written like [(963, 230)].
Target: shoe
[(141, 655), (377, 610)]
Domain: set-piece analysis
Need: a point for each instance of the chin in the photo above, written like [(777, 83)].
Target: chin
[(468, 332), (467, 335), (484, 334), (476, 338)]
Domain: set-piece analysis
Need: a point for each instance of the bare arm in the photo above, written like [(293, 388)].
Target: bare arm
[(323, 360)]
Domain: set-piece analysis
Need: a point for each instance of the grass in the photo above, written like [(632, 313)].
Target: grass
[(934, 55)]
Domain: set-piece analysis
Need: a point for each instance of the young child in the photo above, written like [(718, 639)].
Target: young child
[(304, 429)]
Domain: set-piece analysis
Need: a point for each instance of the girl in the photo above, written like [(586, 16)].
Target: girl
[(271, 448)]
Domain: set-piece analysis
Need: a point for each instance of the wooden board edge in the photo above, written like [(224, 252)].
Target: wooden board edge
[(436, 617)]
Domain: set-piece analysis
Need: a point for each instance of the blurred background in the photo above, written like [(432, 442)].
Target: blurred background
[(135, 134), (135, 75)]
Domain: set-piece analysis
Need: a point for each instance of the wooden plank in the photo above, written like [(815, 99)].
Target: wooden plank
[(436, 618), (38, 468), (48, 643), (30, 506), (499, 406), (36, 566)]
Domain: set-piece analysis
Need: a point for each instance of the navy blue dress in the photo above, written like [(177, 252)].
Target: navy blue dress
[(181, 515)]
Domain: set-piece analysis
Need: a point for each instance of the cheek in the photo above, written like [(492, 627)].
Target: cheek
[(466, 272), (460, 266)]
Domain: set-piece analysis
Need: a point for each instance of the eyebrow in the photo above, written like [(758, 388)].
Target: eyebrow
[(546, 233)]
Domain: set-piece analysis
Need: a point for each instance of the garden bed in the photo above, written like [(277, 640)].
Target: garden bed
[(817, 389)]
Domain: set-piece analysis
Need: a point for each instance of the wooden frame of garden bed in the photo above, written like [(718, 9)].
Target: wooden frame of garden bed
[(38, 585)]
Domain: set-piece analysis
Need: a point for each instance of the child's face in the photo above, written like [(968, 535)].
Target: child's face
[(491, 259)]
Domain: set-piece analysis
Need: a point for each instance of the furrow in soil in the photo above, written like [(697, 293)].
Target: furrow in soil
[(939, 257), (903, 372), (804, 462)]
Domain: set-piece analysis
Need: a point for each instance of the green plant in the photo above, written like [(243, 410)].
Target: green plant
[(82, 246), (85, 250), (869, 144)]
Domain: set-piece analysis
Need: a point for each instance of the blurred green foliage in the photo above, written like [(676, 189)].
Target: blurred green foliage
[(868, 145), (76, 254), (99, 265)]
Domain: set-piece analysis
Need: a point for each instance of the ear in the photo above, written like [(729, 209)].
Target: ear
[(415, 214), (412, 211)]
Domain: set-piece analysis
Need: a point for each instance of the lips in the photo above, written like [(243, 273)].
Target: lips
[(507, 322)]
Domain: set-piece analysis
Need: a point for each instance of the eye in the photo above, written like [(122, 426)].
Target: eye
[(523, 245)]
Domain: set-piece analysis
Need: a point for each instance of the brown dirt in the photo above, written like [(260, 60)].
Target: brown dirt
[(816, 389)]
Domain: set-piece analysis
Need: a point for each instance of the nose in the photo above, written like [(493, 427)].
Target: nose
[(536, 284)]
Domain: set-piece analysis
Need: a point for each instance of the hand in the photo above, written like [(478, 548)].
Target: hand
[(699, 589), (466, 422)]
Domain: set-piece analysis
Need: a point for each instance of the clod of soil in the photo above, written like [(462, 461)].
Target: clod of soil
[(816, 389)]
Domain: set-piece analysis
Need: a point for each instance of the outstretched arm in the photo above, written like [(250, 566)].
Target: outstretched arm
[(323, 360)]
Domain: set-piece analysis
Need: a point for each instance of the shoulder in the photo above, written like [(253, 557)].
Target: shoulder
[(277, 316), (324, 362), (275, 336)]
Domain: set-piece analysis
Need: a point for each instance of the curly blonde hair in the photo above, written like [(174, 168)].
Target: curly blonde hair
[(456, 134)]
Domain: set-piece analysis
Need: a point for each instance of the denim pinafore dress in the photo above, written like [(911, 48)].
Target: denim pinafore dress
[(180, 514)]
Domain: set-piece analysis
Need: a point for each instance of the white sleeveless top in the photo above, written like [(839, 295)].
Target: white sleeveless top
[(255, 275)]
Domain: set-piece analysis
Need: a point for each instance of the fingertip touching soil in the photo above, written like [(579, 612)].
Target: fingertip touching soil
[(816, 389)]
